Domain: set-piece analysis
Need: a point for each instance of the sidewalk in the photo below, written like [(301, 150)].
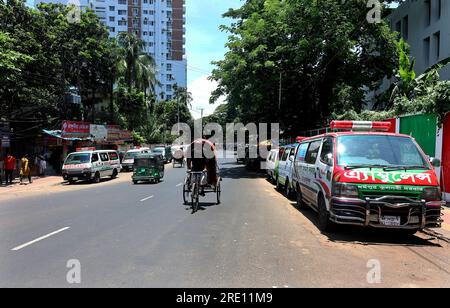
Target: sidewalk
[(38, 183), (51, 184)]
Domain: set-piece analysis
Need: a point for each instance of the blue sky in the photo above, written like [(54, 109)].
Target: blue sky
[(205, 43)]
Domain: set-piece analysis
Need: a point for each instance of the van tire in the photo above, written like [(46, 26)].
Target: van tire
[(278, 184), (300, 204), (114, 175), (287, 190), (96, 179), (325, 224)]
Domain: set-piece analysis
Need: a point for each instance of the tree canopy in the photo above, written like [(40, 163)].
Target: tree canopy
[(323, 55)]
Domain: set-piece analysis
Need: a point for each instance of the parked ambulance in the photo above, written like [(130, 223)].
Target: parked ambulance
[(128, 159), (362, 175), (91, 166)]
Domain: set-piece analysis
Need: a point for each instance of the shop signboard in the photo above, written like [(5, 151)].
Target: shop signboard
[(72, 129)]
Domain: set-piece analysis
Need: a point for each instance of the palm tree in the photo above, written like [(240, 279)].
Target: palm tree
[(137, 67), (182, 95)]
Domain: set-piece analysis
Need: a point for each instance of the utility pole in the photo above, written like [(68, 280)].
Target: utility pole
[(279, 91)]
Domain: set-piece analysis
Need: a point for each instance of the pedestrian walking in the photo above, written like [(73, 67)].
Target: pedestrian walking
[(25, 169), (10, 166), (42, 166)]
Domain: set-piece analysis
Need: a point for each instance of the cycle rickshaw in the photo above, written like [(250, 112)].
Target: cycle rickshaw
[(202, 176), (178, 158)]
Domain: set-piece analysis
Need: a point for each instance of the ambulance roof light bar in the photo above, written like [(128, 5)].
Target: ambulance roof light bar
[(360, 126)]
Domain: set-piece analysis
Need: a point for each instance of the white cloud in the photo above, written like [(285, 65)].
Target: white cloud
[(201, 89)]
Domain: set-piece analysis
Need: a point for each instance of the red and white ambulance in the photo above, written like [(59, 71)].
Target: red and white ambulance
[(360, 174)]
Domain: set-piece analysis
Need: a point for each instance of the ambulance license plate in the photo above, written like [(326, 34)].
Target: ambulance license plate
[(393, 221)]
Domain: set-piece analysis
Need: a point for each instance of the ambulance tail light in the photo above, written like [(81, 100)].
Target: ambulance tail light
[(361, 126)]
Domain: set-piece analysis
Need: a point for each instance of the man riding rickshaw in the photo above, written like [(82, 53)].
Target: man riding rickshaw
[(202, 175)]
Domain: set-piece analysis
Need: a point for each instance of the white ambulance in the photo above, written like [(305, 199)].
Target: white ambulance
[(361, 174), (91, 166)]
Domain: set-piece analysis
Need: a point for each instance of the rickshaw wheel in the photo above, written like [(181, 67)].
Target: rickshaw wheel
[(218, 191), (185, 195)]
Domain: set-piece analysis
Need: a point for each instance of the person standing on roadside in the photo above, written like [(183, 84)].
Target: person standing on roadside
[(25, 170), (10, 166)]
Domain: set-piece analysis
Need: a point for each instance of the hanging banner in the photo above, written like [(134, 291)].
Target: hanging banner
[(71, 129), (99, 132), (114, 132)]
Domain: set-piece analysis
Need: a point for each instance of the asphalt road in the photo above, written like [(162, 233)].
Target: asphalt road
[(126, 235)]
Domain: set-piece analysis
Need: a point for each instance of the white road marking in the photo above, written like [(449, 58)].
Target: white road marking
[(148, 198), (178, 185), (39, 239)]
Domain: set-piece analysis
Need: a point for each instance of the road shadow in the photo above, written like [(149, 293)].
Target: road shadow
[(240, 172), (367, 236), (203, 206), (83, 183)]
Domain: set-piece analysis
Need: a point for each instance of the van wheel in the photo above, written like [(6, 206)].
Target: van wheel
[(114, 175), (278, 184), (96, 178), (287, 190), (300, 204), (71, 182), (135, 182), (325, 224)]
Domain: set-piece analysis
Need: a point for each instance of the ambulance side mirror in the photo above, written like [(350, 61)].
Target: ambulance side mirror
[(291, 158), (435, 162)]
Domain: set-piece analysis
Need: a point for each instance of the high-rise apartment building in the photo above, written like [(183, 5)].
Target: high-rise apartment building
[(161, 26)]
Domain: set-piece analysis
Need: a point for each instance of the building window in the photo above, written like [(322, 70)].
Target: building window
[(426, 51), (122, 12), (168, 88), (169, 97), (437, 45), (398, 27), (427, 12), (405, 32), (169, 77), (112, 29), (169, 67), (112, 8), (122, 1), (112, 18), (439, 8)]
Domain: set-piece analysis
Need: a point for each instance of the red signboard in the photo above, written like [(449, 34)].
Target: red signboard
[(116, 134), (71, 129)]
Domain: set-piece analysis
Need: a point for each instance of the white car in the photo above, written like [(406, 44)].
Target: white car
[(128, 159), (91, 166)]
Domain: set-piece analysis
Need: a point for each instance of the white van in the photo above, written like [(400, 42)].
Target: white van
[(91, 166), (128, 159), (271, 162)]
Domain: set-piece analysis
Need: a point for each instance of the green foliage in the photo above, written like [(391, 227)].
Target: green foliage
[(411, 94), (323, 51)]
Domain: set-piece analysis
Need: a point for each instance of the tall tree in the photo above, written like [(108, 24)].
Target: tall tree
[(137, 67), (294, 61)]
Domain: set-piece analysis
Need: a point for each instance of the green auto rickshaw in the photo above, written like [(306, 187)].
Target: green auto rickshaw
[(148, 168)]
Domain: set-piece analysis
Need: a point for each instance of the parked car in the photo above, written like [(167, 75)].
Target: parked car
[(91, 166), (128, 159), (165, 152), (270, 164), (362, 175)]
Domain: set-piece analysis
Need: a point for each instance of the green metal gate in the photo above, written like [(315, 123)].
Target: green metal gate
[(423, 128)]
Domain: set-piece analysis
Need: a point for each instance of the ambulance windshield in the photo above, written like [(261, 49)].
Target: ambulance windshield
[(379, 151)]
